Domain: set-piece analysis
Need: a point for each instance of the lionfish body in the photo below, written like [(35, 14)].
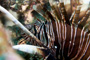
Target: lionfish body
[(62, 38)]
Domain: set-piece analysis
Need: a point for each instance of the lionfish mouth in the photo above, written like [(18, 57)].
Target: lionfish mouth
[(62, 33)]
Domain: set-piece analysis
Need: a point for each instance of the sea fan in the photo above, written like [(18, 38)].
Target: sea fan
[(61, 31)]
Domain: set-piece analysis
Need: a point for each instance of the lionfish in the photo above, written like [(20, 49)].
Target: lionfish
[(58, 34)]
